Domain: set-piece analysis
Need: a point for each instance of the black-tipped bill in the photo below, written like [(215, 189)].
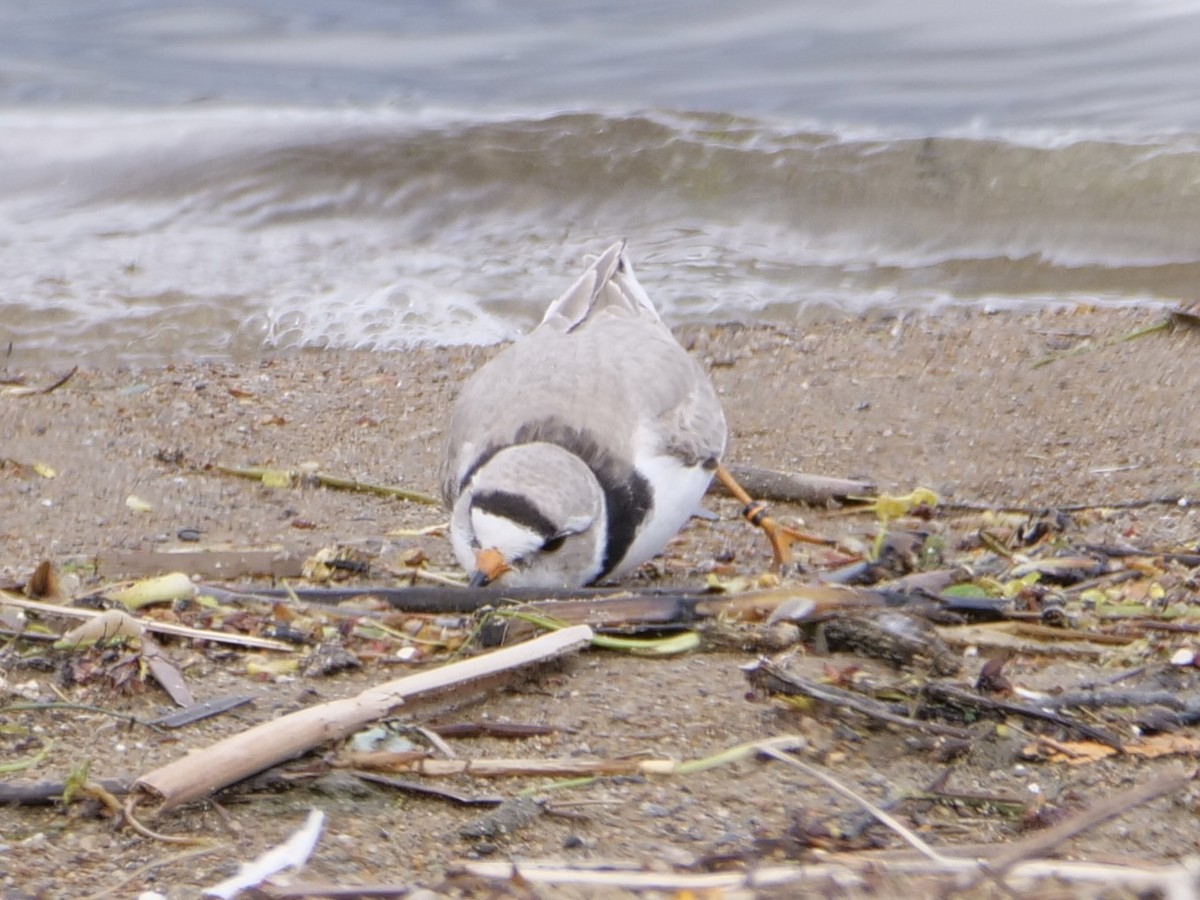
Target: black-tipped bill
[(490, 564)]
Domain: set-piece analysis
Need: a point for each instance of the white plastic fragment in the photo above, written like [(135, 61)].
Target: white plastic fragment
[(291, 854), (137, 504)]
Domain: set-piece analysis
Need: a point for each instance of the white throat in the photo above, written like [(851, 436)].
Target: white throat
[(503, 534)]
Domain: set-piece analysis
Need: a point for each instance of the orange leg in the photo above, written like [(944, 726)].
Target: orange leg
[(781, 536)]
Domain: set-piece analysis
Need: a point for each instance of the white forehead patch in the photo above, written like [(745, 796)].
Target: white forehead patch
[(502, 533)]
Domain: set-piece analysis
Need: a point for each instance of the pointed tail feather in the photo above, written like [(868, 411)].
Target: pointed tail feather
[(608, 282)]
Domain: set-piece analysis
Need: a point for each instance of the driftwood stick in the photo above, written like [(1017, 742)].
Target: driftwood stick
[(547, 874), (497, 768), (771, 678), (794, 487), (1173, 881), (1133, 697), (304, 890), (598, 607), (441, 599), (47, 793), (201, 773), (845, 872), (957, 697)]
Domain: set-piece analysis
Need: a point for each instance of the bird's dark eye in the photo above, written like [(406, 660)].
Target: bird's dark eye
[(554, 543)]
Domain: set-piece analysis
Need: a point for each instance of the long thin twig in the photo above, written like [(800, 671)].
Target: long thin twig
[(31, 706), (1163, 325), (973, 506), (331, 481), (26, 391), (302, 890), (1123, 801), (909, 836), (200, 634), (772, 678), (1015, 854), (418, 787), (115, 889)]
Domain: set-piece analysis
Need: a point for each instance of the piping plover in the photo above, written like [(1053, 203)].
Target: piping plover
[(576, 453), (579, 451)]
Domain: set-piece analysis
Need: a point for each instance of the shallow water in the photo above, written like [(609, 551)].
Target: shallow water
[(179, 182)]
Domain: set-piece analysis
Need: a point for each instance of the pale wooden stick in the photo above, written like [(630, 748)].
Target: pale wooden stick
[(490, 768), (199, 634), (1174, 881), (559, 875), (890, 821), (200, 773), (568, 768)]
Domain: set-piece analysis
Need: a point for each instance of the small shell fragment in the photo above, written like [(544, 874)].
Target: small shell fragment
[(1184, 656), (110, 625)]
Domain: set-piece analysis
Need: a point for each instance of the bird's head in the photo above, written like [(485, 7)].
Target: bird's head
[(531, 516)]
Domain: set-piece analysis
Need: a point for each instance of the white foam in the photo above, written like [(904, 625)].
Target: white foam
[(152, 233)]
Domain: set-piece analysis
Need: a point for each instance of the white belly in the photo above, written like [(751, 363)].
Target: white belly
[(677, 492)]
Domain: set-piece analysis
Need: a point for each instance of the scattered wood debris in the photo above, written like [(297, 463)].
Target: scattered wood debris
[(244, 754), (957, 608)]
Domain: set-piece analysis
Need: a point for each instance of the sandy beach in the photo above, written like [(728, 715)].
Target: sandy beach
[(948, 251), (955, 403), (967, 404)]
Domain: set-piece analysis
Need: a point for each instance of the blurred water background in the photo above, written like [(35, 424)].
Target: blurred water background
[(186, 180)]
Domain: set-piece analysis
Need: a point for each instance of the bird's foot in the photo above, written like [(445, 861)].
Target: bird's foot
[(781, 536)]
